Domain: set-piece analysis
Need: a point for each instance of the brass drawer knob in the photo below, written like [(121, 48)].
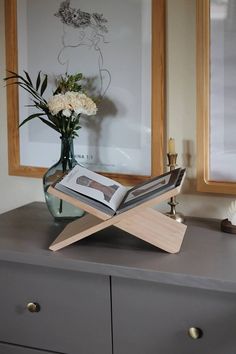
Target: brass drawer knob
[(195, 332), (33, 307)]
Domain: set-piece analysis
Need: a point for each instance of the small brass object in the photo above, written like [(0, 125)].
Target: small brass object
[(33, 307), (195, 332), (172, 159), (173, 214)]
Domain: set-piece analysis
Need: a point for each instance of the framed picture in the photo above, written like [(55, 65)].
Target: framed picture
[(121, 53), (216, 90)]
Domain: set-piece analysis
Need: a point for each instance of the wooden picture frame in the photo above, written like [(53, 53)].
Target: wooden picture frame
[(205, 183), (157, 97)]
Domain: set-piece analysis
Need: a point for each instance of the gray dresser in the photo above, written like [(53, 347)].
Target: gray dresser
[(112, 293)]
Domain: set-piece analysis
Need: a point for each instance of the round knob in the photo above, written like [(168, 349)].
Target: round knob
[(195, 332), (33, 307)]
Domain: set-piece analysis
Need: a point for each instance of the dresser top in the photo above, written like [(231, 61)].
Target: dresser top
[(207, 258)]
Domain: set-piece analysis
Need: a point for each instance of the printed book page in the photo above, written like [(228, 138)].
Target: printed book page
[(149, 189), (94, 185)]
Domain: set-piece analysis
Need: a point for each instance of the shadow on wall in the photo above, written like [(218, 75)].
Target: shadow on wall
[(189, 162), (107, 109)]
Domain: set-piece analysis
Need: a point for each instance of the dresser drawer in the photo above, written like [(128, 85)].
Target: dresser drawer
[(15, 349), (74, 309), (153, 318)]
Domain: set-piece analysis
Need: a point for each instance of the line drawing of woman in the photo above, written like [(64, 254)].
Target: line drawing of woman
[(84, 33), (84, 41)]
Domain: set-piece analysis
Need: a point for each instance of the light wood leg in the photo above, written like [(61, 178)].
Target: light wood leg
[(77, 230), (155, 228), (146, 224)]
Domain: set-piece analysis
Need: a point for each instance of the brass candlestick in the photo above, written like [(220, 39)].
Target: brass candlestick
[(172, 158)]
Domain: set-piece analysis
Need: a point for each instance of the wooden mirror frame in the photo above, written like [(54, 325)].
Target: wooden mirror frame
[(204, 184), (158, 96)]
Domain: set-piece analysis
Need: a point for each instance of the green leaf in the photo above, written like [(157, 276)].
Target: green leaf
[(49, 124), (28, 86), (16, 76), (32, 116), (38, 81), (78, 76), (54, 119), (44, 85), (77, 88), (30, 91), (28, 78)]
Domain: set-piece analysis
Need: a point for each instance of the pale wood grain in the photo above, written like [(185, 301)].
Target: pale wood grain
[(77, 230), (158, 84), (155, 228), (141, 221), (14, 165)]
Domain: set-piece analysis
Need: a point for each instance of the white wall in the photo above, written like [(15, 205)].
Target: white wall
[(181, 119)]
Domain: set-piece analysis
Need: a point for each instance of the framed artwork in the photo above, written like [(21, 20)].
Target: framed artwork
[(119, 46), (216, 90)]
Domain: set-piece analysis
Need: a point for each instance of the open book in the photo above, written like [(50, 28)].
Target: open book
[(110, 196)]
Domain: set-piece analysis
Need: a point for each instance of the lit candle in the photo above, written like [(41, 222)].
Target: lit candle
[(171, 146)]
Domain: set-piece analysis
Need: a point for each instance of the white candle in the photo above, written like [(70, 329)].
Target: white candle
[(171, 146)]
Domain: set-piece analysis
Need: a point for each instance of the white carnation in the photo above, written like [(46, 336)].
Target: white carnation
[(86, 105), (66, 113), (72, 101), (56, 104)]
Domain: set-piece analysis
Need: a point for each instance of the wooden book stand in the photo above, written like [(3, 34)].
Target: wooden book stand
[(141, 221)]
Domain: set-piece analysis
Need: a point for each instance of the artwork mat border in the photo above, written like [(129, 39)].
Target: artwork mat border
[(157, 97)]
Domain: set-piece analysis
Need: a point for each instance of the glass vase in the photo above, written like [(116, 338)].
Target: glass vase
[(60, 209)]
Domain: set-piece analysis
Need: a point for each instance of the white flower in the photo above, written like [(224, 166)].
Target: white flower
[(56, 104), (232, 213), (72, 101), (66, 113), (86, 105)]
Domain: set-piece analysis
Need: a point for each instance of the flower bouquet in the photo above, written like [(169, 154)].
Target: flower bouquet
[(61, 112), (63, 109)]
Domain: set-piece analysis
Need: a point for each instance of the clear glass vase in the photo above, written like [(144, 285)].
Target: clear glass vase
[(60, 209)]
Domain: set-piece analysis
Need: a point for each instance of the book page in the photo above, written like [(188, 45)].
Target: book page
[(148, 189), (95, 186)]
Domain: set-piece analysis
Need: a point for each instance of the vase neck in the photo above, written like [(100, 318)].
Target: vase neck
[(67, 153)]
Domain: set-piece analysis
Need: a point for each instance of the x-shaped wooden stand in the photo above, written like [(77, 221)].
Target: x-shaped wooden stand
[(141, 221)]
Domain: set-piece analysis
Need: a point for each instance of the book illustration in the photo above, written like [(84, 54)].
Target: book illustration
[(108, 191), (151, 186), (94, 186), (141, 191)]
